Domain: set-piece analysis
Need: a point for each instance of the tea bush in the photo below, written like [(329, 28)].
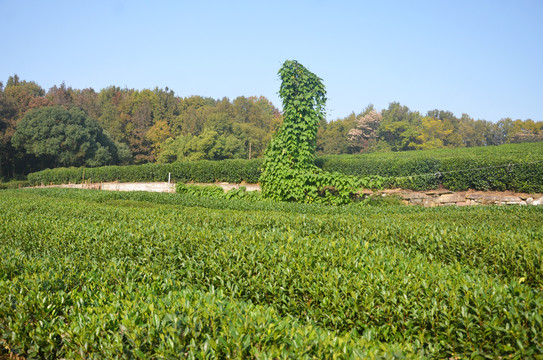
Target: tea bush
[(104, 274), (205, 171), (516, 167)]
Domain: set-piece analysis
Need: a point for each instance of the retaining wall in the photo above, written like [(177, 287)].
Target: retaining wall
[(465, 198), (426, 198), (116, 186)]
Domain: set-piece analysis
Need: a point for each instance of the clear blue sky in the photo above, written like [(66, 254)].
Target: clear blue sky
[(483, 58)]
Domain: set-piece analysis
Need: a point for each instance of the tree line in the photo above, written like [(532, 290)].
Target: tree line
[(63, 126), (398, 128), (71, 127)]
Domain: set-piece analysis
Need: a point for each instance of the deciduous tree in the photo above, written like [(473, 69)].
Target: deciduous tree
[(61, 137), (365, 130)]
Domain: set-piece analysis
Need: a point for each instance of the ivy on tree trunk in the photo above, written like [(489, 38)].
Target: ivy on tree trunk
[(289, 172)]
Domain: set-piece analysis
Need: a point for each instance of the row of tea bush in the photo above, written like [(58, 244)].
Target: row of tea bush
[(516, 167)]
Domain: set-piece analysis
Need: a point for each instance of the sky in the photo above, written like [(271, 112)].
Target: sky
[(483, 58)]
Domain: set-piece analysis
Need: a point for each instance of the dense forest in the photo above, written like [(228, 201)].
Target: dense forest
[(69, 127), (397, 128)]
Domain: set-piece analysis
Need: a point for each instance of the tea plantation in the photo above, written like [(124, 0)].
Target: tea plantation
[(93, 275), (515, 167)]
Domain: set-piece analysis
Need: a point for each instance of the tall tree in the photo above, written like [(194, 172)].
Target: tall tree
[(365, 132), (332, 137), (88, 101), (21, 93), (432, 133), (474, 132), (60, 95), (449, 128), (56, 137), (399, 127), (15, 100)]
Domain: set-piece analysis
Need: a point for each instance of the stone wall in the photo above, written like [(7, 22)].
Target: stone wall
[(445, 197), (429, 198)]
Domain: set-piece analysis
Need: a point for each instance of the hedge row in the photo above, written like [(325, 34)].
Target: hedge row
[(457, 174), (516, 167), (234, 171)]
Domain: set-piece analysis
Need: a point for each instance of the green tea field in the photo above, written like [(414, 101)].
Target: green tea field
[(102, 275)]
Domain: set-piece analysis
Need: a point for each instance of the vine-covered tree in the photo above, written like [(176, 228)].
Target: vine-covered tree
[(304, 100), (289, 171)]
